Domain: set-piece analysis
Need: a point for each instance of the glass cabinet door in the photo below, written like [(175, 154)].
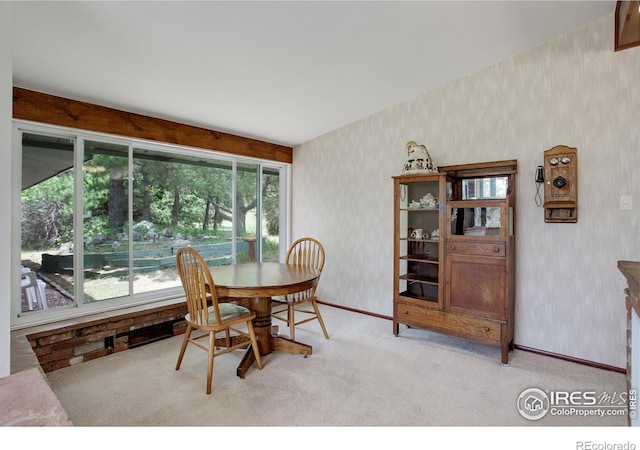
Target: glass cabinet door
[(418, 224), (479, 219), (476, 221)]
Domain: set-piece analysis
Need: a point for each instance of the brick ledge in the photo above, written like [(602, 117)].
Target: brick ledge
[(71, 341)]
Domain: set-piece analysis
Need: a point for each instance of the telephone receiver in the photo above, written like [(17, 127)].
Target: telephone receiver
[(540, 175)]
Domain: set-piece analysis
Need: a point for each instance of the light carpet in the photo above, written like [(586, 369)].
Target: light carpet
[(363, 376)]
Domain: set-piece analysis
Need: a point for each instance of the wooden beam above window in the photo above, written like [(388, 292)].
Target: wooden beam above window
[(45, 108)]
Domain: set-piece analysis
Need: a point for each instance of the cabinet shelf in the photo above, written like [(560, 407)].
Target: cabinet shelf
[(417, 278), (419, 297), (421, 258), (432, 241), (436, 209)]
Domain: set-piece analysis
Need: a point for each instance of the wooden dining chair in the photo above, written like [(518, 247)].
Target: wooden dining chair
[(199, 289), (307, 252)]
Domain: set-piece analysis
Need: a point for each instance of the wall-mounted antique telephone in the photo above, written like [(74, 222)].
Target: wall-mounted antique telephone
[(560, 179)]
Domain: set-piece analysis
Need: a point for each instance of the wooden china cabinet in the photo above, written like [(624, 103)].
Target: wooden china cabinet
[(458, 280)]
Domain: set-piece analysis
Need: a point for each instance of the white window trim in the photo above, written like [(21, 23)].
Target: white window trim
[(22, 320)]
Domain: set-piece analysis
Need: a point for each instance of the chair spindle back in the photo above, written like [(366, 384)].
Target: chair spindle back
[(306, 252), (195, 276)]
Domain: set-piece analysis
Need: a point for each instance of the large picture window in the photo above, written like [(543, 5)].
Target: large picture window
[(103, 218)]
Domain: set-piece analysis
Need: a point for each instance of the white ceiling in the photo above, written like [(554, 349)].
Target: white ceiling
[(283, 72)]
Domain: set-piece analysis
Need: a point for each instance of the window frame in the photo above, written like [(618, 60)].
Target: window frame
[(20, 319)]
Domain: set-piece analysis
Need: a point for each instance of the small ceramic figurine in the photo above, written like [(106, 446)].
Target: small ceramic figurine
[(429, 201), (435, 235), (418, 159)]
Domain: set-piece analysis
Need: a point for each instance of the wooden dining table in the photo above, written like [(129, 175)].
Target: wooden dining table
[(257, 283)]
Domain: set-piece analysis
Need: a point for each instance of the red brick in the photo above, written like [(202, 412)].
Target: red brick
[(147, 317), (176, 313), (122, 347), (120, 324), (92, 329), (149, 323), (97, 354), (100, 336), (69, 343), (55, 338), (47, 368), (39, 351), (179, 328), (140, 325), (60, 365), (56, 356), (123, 330)]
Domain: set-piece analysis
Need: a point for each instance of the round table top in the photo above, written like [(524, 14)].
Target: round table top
[(265, 279)]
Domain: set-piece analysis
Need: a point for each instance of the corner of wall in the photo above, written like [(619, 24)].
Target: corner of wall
[(6, 83)]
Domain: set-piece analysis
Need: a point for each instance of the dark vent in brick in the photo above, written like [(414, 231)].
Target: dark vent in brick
[(147, 335)]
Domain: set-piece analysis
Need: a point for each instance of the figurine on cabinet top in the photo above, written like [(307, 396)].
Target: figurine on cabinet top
[(418, 159)]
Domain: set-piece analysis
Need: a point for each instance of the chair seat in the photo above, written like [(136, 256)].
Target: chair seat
[(228, 313)]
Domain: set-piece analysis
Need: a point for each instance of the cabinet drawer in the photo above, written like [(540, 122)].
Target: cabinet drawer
[(482, 330), (476, 248)]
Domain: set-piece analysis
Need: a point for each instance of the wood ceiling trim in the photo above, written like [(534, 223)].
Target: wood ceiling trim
[(45, 108)]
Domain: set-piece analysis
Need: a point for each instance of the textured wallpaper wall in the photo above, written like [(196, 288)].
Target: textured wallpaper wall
[(575, 91)]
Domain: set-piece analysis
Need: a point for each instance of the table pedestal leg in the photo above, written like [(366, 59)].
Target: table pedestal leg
[(267, 343), (285, 345), (261, 306), (247, 360)]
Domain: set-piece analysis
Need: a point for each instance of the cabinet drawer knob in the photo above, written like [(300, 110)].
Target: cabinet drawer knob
[(496, 249)]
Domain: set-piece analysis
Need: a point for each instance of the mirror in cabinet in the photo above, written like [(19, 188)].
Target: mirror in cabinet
[(480, 219), (483, 188)]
